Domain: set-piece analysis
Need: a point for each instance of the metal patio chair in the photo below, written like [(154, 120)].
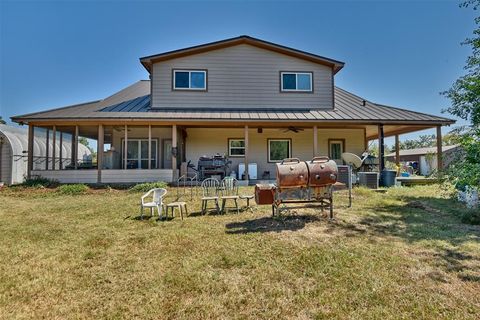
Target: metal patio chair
[(229, 191), (157, 201), (209, 193)]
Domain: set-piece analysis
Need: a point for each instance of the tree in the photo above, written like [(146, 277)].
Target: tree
[(465, 91), (453, 137), (465, 97), (2, 121), (373, 149), (84, 141), (423, 141)]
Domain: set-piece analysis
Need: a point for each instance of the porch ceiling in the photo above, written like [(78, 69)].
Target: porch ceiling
[(391, 130), (90, 129)]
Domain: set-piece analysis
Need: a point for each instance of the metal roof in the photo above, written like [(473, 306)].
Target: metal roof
[(133, 102), (421, 151)]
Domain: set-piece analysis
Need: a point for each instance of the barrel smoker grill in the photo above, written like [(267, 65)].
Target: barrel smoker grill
[(303, 182)]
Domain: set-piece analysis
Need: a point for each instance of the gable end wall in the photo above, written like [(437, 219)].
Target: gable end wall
[(242, 76)]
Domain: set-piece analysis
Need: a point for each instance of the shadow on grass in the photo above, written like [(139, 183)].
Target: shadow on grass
[(149, 217), (213, 212), (435, 220), (421, 218), (271, 224)]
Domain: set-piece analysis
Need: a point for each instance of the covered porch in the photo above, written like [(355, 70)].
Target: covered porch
[(140, 143), (110, 153), (253, 143)]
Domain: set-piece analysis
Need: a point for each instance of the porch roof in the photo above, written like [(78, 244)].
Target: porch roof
[(133, 103)]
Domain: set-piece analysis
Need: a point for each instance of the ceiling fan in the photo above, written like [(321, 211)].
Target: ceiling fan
[(120, 128), (293, 129)]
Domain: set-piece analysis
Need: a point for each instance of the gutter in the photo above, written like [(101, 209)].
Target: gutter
[(239, 121)]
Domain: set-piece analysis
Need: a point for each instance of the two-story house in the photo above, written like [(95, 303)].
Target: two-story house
[(255, 101)]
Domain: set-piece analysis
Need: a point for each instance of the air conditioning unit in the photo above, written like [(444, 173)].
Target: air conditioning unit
[(368, 179), (252, 170), (343, 172)]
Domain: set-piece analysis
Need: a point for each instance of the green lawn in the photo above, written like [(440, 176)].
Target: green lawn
[(400, 254)]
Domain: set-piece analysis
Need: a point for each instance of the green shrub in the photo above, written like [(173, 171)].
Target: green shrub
[(144, 187), (40, 182), (465, 171), (72, 189)]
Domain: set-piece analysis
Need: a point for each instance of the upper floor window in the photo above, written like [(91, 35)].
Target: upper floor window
[(296, 81), (189, 79)]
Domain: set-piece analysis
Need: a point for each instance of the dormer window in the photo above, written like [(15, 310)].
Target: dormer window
[(296, 81), (190, 80)]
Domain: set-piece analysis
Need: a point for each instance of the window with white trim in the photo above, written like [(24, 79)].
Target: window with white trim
[(236, 147), (279, 149), (190, 80), (296, 81)]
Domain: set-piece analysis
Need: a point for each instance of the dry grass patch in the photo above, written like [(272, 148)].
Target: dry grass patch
[(401, 254)]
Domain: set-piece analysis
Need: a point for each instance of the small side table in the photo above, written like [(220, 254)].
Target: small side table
[(248, 198), (181, 206)]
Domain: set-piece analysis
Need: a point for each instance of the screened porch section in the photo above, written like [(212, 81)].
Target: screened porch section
[(137, 147), (105, 153)]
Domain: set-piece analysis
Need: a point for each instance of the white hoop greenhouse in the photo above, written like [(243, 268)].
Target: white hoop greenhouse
[(14, 153)]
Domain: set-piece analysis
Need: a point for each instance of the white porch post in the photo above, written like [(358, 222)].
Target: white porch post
[(246, 153), (174, 152), (125, 140), (100, 153), (54, 142), (149, 146), (315, 141)]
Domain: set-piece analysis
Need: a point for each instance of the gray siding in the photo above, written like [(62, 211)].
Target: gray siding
[(241, 76)]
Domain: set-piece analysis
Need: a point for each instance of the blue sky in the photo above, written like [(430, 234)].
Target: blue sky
[(65, 52)]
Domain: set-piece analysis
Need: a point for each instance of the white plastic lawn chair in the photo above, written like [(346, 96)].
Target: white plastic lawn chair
[(157, 201)]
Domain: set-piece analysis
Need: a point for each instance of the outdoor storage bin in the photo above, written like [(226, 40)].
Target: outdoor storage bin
[(264, 193), (387, 178)]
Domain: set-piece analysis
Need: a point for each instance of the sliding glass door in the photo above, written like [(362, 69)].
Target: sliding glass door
[(137, 153)]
